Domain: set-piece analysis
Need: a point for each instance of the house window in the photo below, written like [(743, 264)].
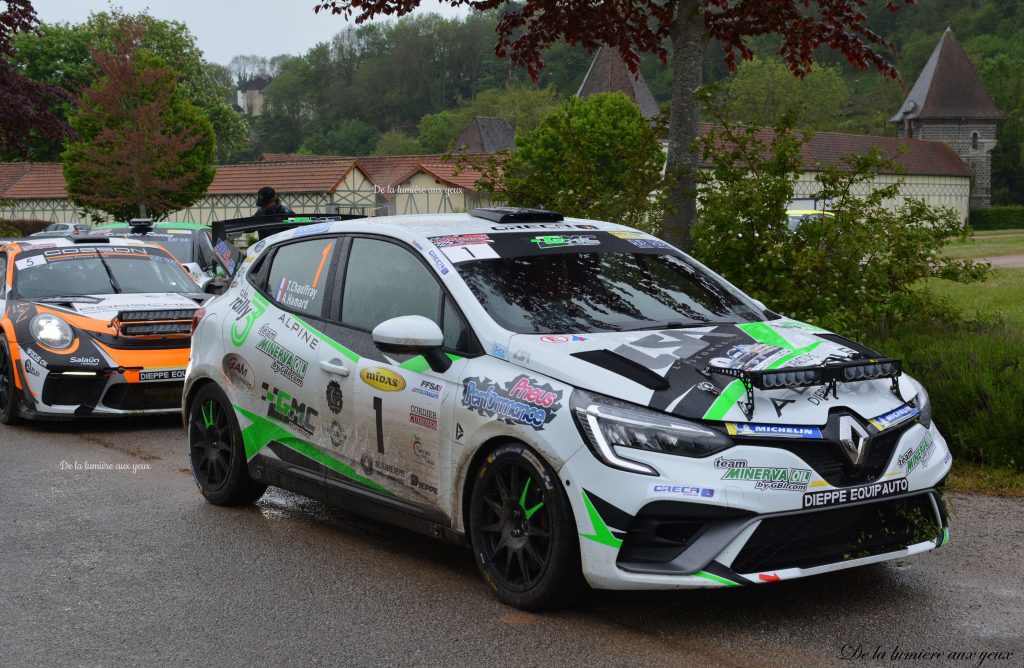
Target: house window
[(974, 141)]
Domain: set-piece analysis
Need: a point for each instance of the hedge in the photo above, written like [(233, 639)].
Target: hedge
[(22, 227), (1008, 217)]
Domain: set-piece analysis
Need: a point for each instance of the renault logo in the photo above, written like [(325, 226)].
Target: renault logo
[(853, 439)]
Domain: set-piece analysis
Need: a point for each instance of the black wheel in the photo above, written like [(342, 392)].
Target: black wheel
[(8, 392), (523, 533), (216, 451)]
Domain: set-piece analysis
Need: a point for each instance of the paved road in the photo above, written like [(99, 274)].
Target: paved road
[(110, 566), (1004, 261)]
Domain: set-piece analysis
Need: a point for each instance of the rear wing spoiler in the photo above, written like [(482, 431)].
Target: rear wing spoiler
[(265, 226)]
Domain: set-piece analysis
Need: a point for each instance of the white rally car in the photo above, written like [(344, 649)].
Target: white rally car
[(577, 400)]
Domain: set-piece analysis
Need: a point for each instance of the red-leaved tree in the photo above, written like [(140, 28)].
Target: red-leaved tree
[(24, 104), (647, 26), (142, 148)]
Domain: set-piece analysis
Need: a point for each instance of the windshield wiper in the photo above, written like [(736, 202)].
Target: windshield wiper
[(68, 298), (113, 281), (676, 325)]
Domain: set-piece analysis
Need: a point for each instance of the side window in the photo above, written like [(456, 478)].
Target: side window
[(206, 257), (384, 281), (298, 274), (457, 335), (3, 275)]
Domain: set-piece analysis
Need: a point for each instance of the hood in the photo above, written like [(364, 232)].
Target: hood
[(109, 306), (662, 369)]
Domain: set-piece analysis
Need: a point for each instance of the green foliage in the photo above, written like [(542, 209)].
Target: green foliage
[(974, 373), (595, 158), (762, 92), (1008, 217), (842, 271), (60, 54), (142, 149), (349, 137), (395, 142)]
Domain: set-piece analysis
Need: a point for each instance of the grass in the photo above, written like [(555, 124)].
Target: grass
[(989, 244), (1002, 294), (970, 478)]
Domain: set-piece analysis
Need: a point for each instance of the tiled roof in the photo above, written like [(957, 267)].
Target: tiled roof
[(10, 172), (41, 180), (609, 73), (948, 88), (486, 134), (921, 158), (285, 176), (258, 83)]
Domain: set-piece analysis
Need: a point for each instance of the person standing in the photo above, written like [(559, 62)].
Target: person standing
[(268, 204)]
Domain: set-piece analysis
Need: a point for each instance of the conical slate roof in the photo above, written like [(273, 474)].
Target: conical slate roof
[(948, 88), (609, 73)]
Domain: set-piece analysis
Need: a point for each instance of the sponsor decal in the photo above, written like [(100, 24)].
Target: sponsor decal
[(779, 404), (438, 262), (641, 240), (895, 417), (769, 577), (771, 430), (459, 433), (335, 399), (542, 226), (237, 372), (366, 463), (421, 452), (416, 483), (382, 379), (499, 351), (765, 477), (338, 437), (948, 458), (520, 401), (576, 338), (285, 363), (429, 388), (835, 497), (258, 247), (681, 490), (223, 253), (521, 356), (298, 331), (37, 358), (85, 361), (247, 311), (919, 456), (750, 356), (30, 368), (309, 230), (19, 313), (294, 294), (161, 374), (423, 417), (286, 409), (562, 241), (555, 339), (461, 240), (383, 469)]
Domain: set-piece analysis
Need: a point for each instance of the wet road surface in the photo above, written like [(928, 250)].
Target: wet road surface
[(109, 556)]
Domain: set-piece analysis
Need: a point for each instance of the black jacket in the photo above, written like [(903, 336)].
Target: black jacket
[(274, 210)]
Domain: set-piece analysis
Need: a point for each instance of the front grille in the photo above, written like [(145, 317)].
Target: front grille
[(829, 460), (144, 396), (72, 390), (823, 537), (663, 530)]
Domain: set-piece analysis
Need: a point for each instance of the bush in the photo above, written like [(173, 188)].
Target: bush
[(1010, 217), (21, 227), (974, 373)]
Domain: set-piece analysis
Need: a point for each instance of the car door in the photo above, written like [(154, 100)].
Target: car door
[(275, 331), (401, 434)]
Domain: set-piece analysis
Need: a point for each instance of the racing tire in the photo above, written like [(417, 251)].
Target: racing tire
[(522, 531), (8, 390), (216, 451)]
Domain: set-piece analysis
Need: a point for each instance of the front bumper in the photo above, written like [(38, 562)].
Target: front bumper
[(690, 528)]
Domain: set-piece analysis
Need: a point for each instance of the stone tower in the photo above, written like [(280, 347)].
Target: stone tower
[(949, 103)]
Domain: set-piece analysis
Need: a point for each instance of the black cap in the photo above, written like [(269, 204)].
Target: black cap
[(264, 196)]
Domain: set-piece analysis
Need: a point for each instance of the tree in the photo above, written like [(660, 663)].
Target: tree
[(594, 158), (395, 142), (25, 105), (60, 54), (142, 149), (763, 91), (645, 26)]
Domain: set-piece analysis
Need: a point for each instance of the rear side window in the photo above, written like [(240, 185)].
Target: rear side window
[(384, 281), (3, 275), (298, 275)]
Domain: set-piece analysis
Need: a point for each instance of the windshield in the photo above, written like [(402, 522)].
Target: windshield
[(178, 245), (613, 290), (62, 272)]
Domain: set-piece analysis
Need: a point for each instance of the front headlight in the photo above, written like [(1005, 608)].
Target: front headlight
[(608, 425), (923, 403), (51, 331)]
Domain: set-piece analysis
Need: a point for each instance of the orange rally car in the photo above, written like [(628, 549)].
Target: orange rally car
[(92, 326)]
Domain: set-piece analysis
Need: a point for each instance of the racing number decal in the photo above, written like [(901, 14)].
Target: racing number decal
[(378, 410)]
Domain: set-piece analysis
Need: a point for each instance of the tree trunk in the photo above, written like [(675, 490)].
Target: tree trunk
[(688, 42)]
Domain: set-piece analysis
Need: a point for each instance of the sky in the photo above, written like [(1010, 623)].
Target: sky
[(226, 28)]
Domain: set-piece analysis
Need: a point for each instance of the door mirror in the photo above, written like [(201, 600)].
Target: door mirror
[(413, 334)]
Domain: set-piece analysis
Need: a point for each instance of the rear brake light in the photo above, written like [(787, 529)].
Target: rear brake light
[(196, 317)]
